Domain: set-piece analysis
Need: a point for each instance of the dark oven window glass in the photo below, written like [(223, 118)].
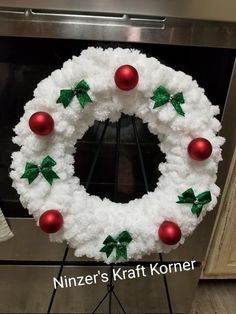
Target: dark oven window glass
[(26, 61)]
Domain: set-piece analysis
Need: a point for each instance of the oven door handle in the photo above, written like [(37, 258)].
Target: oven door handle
[(86, 18)]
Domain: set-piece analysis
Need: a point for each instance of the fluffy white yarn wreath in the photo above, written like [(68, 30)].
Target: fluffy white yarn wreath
[(102, 229)]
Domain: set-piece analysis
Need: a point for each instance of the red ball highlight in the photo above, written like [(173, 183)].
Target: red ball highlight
[(51, 221), (199, 149), (169, 232), (41, 123), (126, 77)]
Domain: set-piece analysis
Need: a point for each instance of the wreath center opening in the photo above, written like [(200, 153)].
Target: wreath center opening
[(119, 160)]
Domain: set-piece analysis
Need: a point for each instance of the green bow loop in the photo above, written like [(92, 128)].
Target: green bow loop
[(187, 197), (204, 197), (124, 237), (32, 171), (161, 97), (109, 245), (120, 243), (48, 162), (66, 96), (80, 91), (198, 201)]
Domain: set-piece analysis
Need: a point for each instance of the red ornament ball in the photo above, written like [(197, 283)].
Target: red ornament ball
[(169, 232), (199, 149), (126, 77), (41, 123), (51, 221)]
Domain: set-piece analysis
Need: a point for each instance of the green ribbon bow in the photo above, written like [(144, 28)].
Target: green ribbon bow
[(45, 168), (198, 201), (120, 243), (161, 97), (80, 91)]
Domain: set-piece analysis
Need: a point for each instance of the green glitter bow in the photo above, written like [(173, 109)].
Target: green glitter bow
[(120, 243), (198, 201), (80, 91), (161, 97), (45, 168)]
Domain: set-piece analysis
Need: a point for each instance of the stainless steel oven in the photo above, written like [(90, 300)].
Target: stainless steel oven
[(35, 39)]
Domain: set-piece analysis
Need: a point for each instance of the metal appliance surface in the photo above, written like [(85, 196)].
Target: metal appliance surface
[(193, 9), (28, 22), (36, 36)]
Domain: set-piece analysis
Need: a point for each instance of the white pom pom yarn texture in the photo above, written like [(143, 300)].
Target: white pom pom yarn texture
[(88, 219)]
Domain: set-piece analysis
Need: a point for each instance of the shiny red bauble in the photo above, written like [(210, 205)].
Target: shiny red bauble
[(126, 77), (199, 149), (169, 232), (51, 221), (41, 123)]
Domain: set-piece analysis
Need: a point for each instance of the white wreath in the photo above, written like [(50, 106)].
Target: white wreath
[(88, 219)]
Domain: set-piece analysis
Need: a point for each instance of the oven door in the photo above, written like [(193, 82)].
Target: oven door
[(31, 48)]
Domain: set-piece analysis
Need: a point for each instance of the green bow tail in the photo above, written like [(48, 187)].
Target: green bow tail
[(80, 91), (120, 243), (161, 97), (198, 201), (45, 168)]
